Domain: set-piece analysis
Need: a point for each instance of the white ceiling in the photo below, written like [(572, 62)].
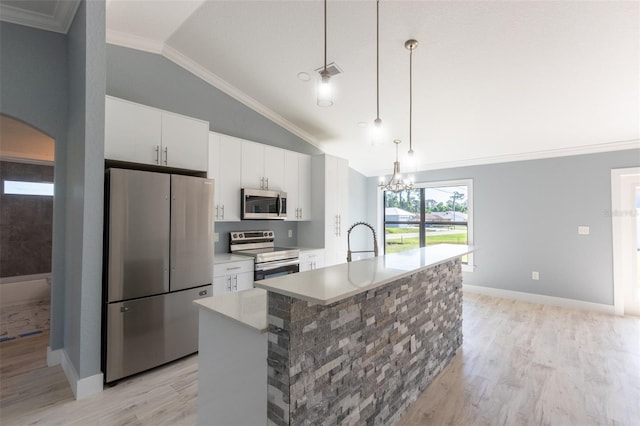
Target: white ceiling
[(50, 15), (493, 80)]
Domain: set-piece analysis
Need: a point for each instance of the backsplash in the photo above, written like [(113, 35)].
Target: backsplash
[(280, 227)]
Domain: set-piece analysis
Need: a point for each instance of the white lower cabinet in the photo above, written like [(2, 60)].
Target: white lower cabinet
[(311, 259), (230, 277)]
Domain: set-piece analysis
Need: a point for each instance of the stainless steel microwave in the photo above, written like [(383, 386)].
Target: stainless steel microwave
[(263, 204)]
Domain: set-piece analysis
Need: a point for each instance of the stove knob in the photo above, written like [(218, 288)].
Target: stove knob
[(271, 234), (235, 235), (241, 235)]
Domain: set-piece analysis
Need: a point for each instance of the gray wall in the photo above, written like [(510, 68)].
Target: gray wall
[(525, 219), (280, 227), (152, 80), (25, 222), (34, 89), (85, 173)]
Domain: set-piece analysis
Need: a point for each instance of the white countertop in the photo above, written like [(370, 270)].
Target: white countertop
[(229, 257), (328, 285), (248, 307)]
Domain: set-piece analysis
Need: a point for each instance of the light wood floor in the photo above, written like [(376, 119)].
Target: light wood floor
[(520, 364)]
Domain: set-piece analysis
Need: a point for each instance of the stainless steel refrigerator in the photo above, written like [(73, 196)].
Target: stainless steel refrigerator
[(159, 258)]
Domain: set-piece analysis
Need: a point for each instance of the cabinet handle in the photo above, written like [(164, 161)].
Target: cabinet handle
[(223, 211), (217, 215), (261, 183), (229, 283), (157, 150), (267, 183), (300, 212), (234, 268), (166, 155), (235, 278)]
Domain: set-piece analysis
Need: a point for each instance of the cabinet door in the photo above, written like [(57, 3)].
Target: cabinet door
[(184, 142), (305, 265), (252, 165), (132, 132), (304, 186), (221, 285), (291, 178), (274, 168), (229, 165), (243, 281)]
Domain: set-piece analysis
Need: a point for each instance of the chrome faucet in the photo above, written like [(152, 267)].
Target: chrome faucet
[(375, 241)]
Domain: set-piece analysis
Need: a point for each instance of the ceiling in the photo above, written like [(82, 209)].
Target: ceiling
[(492, 80), (19, 141), (50, 15)]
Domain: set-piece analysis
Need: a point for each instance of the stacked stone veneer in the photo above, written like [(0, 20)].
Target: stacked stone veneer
[(353, 362)]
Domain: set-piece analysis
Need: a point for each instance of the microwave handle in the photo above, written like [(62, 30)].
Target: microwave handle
[(279, 205)]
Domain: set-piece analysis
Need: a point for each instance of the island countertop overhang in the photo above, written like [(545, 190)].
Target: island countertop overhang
[(332, 284)]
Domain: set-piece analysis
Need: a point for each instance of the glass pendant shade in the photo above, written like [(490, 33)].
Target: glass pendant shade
[(325, 93)]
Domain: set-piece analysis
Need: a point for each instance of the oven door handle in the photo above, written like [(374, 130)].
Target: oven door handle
[(272, 266)]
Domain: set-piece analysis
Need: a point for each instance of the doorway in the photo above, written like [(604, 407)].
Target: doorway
[(26, 227), (625, 205)]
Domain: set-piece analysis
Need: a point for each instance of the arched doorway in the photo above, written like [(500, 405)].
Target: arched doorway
[(26, 225)]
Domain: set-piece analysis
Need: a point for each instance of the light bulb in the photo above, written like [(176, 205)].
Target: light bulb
[(377, 132), (324, 90)]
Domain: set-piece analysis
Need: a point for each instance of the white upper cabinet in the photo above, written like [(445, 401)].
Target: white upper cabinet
[(225, 159), (141, 134), (184, 141), (132, 132), (252, 165), (262, 166), (297, 171)]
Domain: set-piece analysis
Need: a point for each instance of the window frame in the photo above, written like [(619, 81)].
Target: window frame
[(470, 265)]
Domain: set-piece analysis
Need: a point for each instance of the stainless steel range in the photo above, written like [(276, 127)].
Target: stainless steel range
[(270, 261)]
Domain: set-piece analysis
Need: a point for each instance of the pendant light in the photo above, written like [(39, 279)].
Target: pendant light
[(324, 85), (396, 183), (376, 137), (411, 45)]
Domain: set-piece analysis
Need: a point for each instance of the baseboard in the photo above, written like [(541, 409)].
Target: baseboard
[(82, 388), (54, 357), (541, 299)]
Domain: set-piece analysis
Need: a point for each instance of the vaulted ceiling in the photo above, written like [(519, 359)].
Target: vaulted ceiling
[(492, 80)]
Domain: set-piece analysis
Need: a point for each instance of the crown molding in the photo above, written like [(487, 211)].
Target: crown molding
[(533, 155), (134, 42), (59, 22), (151, 46), (200, 71)]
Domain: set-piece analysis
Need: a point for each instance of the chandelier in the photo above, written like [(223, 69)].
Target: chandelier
[(396, 183)]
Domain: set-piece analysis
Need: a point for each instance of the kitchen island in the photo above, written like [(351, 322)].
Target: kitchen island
[(357, 343)]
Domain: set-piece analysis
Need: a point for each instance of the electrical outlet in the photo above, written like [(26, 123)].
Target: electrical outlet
[(216, 237), (535, 275), (290, 233), (583, 230)]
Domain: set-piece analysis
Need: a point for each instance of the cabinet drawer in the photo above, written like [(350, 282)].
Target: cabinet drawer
[(228, 268)]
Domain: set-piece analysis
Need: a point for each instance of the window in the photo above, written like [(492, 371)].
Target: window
[(13, 187), (432, 213)]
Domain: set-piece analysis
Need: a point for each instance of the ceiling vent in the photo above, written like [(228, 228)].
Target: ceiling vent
[(332, 68)]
